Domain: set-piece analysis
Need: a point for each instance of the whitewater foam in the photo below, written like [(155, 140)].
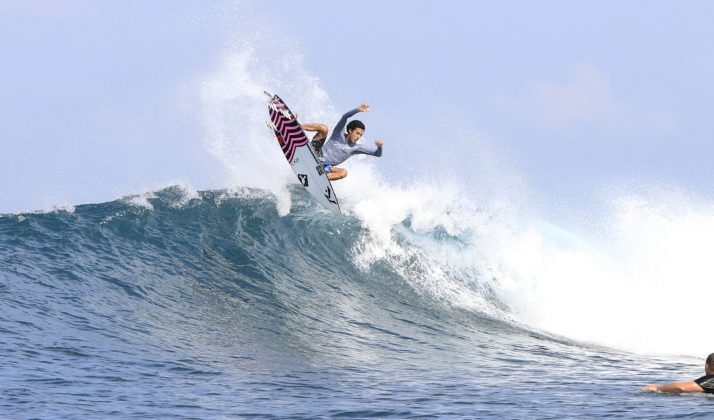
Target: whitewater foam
[(634, 284)]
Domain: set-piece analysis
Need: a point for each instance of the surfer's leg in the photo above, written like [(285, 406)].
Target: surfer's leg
[(321, 130), (337, 173)]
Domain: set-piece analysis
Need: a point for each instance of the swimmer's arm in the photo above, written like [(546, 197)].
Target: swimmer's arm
[(675, 387)]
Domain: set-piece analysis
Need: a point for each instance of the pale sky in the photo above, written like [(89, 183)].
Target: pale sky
[(100, 99)]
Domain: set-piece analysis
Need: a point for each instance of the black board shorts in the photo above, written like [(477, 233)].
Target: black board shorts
[(317, 145)]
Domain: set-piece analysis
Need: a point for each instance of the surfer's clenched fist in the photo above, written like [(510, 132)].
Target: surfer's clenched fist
[(363, 107)]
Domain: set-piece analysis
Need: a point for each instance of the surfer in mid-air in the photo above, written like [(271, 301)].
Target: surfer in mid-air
[(341, 146)]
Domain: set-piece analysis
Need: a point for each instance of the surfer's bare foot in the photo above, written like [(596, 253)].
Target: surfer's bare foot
[(337, 173)]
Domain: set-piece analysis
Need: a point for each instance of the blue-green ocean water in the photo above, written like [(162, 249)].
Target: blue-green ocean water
[(215, 306)]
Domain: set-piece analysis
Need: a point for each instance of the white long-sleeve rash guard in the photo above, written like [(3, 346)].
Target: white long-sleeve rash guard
[(337, 149)]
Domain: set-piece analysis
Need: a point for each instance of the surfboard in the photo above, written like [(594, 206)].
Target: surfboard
[(295, 146)]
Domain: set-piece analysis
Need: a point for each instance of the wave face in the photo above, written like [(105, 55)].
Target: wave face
[(211, 304)]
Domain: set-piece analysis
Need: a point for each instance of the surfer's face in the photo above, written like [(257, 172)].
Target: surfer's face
[(354, 135)]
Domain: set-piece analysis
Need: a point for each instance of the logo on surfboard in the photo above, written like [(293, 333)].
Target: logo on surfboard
[(328, 195), (303, 180)]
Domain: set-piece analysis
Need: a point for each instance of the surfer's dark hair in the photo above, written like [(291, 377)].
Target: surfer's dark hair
[(355, 124), (710, 360)]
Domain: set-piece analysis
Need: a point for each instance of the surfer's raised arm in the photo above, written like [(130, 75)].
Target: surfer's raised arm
[(703, 384), (337, 131)]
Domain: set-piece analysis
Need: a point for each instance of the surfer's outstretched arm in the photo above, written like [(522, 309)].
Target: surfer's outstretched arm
[(321, 130), (360, 149)]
